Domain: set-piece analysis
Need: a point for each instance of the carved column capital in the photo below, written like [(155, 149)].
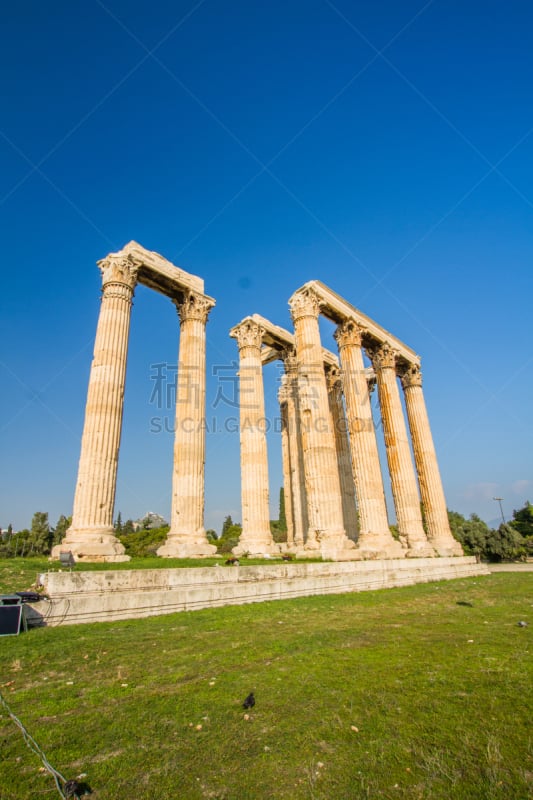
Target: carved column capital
[(305, 303), (121, 270), (290, 362), (333, 378), (194, 306), (348, 333), (248, 334), (382, 356), (411, 375)]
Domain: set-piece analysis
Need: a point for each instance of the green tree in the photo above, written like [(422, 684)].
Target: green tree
[(22, 542), (212, 536), (62, 525), (118, 524), (277, 534), (128, 527), (7, 542), (229, 539), (144, 542), (472, 533), (505, 544), (226, 525), (523, 520), (40, 534)]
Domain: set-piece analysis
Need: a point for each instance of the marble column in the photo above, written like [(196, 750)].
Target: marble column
[(326, 531), (256, 538), (91, 534), (402, 474), (375, 539), (186, 537), (432, 493), (286, 461), (298, 495), (342, 444)]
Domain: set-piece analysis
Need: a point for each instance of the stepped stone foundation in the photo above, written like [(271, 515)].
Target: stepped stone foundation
[(76, 597)]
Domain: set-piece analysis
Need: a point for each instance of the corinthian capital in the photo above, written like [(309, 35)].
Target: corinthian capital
[(411, 375), (290, 361), (333, 378), (382, 355), (248, 334), (194, 306), (305, 303), (349, 333), (119, 270)]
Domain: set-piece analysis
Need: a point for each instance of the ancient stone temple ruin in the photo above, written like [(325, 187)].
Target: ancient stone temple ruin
[(334, 493), (91, 534), (335, 499)]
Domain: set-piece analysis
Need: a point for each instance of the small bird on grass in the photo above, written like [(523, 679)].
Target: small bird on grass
[(72, 789), (250, 701), (76, 789)]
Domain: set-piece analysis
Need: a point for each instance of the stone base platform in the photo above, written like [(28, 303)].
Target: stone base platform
[(104, 596)]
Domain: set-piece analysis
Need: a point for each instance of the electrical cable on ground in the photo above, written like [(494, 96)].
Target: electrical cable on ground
[(32, 744)]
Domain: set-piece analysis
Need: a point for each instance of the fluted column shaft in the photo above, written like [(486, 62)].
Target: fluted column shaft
[(431, 491), (375, 537), (324, 502), (298, 494), (256, 537), (286, 463), (342, 445), (186, 537), (91, 535), (403, 479)]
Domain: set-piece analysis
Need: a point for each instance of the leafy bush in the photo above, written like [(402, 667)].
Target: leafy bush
[(144, 542), (229, 539)]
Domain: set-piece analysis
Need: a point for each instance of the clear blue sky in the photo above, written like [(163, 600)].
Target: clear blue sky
[(382, 147)]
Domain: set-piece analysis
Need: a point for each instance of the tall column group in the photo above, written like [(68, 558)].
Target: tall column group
[(334, 489), (91, 533)]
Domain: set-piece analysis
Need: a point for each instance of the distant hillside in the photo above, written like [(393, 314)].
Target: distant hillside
[(149, 521)]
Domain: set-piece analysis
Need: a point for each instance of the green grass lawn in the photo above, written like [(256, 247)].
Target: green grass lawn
[(400, 693)]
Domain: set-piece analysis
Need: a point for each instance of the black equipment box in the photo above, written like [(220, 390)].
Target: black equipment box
[(12, 616)]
